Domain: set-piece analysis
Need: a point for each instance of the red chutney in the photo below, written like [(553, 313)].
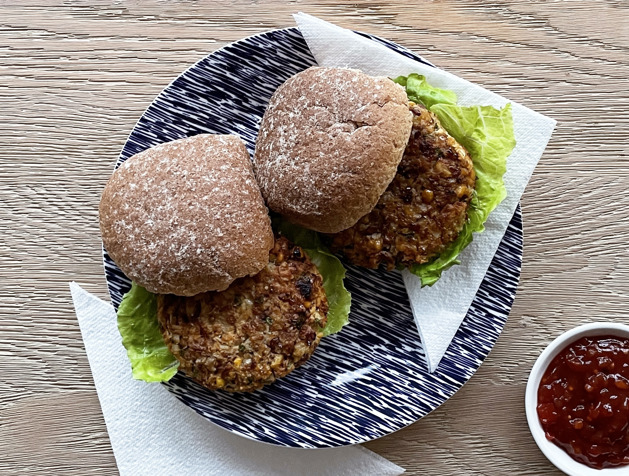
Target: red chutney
[(583, 401)]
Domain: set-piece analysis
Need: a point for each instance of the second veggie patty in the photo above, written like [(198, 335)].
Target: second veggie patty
[(423, 209)]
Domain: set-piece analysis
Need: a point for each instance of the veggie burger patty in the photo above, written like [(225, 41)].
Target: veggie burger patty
[(423, 209), (259, 329)]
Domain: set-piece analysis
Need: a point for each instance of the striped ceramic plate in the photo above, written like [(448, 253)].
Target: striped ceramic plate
[(370, 379)]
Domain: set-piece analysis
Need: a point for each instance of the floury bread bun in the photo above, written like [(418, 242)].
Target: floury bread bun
[(329, 145), (187, 216)]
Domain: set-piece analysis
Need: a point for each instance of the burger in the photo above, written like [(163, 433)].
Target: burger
[(215, 294), (394, 173)]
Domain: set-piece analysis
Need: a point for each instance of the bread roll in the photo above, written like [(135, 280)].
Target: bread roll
[(329, 145), (187, 216)]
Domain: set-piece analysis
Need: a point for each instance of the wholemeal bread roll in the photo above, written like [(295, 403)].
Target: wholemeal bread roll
[(186, 216), (329, 145)]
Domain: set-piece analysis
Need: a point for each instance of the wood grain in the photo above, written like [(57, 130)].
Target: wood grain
[(74, 77)]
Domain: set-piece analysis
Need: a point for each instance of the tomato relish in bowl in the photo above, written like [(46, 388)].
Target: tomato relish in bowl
[(583, 401), (577, 400)]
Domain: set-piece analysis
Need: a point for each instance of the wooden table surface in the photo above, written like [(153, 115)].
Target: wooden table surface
[(75, 76)]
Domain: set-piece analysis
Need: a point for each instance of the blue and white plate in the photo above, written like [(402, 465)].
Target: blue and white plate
[(370, 379)]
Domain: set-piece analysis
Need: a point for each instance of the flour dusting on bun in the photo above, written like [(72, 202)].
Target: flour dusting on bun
[(186, 216)]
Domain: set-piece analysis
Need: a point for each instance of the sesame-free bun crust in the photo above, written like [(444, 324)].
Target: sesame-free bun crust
[(329, 145), (187, 216)]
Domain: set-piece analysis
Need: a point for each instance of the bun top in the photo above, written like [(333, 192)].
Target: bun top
[(187, 216), (329, 145)]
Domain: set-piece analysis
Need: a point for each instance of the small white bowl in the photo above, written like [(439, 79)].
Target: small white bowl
[(556, 455)]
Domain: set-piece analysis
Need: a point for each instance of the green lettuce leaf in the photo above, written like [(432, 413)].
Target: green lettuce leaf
[(419, 91), (151, 360), (330, 267), (487, 134)]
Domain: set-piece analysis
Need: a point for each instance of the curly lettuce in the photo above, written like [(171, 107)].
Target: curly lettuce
[(487, 134), (420, 92), (150, 358)]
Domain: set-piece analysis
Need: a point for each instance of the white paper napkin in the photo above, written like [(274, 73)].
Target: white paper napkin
[(152, 433), (440, 309)]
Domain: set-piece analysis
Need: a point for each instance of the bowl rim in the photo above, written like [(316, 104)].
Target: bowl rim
[(555, 454)]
